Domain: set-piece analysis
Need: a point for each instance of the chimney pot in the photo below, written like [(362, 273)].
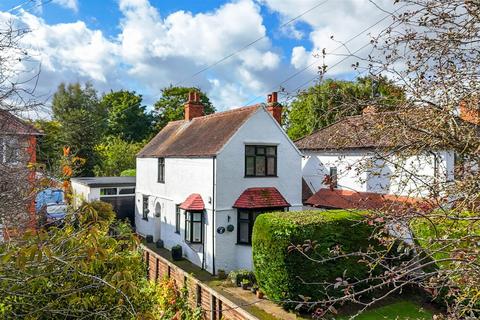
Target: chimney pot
[(274, 107)]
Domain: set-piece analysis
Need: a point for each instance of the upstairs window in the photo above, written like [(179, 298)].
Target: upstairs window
[(9, 150), (161, 170), (193, 226), (145, 208), (260, 161), (333, 177)]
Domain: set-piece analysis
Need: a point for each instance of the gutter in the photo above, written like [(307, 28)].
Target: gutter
[(213, 214)]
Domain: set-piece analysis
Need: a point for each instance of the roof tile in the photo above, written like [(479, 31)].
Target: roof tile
[(253, 198), (200, 137), (194, 202)]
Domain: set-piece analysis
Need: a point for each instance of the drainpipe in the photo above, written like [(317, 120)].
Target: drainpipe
[(213, 215)]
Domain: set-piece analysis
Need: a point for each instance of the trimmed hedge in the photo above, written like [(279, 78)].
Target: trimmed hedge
[(281, 274)]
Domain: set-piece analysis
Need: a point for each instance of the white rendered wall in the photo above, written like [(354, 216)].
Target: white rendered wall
[(183, 176), (360, 170), (231, 182), (80, 193)]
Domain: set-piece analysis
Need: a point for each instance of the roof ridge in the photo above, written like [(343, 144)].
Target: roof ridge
[(357, 116), (227, 112)]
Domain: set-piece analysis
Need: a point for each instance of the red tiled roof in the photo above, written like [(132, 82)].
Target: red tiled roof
[(346, 199), (11, 124), (200, 137), (261, 198), (193, 202)]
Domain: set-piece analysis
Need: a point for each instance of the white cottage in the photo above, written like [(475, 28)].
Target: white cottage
[(202, 181), (353, 164)]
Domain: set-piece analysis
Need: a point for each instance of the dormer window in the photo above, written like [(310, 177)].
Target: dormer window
[(260, 161)]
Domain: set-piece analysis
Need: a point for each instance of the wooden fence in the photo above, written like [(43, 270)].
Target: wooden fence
[(214, 305)]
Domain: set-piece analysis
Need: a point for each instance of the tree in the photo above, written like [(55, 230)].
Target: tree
[(82, 117), (50, 145), (91, 267), (170, 106), (331, 100), (18, 75), (431, 50), (115, 155), (127, 118)]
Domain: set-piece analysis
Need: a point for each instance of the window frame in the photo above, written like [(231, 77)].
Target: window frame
[(266, 158), (103, 194), (161, 170), (252, 216), (189, 222), (145, 210), (333, 173), (177, 218)]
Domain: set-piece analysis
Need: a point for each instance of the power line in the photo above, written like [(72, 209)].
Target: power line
[(248, 44), (331, 52)]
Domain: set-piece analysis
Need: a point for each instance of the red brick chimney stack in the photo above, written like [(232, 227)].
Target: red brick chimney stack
[(274, 107), (193, 107)]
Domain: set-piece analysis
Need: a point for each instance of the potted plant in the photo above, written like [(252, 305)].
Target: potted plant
[(222, 275), (245, 284), (159, 243), (259, 294), (177, 252), (254, 289)]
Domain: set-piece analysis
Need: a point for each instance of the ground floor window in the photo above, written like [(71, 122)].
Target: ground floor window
[(177, 218), (193, 226), (145, 208), (245, 221)]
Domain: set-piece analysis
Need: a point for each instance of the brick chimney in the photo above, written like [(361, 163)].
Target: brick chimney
[(193, 107), (470, 111), (274, 107)]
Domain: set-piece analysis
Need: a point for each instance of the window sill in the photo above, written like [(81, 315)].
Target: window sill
[(146, 219), (177, 232), (162, 182), (243, 244), (260, 176)]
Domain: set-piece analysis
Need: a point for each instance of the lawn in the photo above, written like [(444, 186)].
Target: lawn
[(402, 310)]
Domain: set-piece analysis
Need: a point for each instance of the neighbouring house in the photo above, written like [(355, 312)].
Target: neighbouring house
[(364, 162), (118, 191), (202, 181), (18, 141)]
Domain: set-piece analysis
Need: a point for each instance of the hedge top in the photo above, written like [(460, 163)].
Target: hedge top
[(306, 218)]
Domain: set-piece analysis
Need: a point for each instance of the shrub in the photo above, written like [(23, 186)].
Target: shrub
[(285, 274), (236, 277)]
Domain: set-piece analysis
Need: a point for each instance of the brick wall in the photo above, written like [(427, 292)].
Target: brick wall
[(214, 305)]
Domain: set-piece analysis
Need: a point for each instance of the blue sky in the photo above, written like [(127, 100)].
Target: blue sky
[(145, 45)]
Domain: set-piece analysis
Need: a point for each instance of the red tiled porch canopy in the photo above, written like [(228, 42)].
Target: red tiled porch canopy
[(253, 198), (194, 202), (346, 199)]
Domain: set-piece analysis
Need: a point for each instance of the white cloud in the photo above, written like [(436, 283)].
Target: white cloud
[(69, 4), (340, 19)]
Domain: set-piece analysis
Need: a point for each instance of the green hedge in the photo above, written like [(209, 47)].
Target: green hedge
[(280, 273)]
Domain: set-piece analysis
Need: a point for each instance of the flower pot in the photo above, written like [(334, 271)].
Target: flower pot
[(159, 243), (222, 275), (176, 253), (149, 238), (259, 294), (254, 290), (245, 286)]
